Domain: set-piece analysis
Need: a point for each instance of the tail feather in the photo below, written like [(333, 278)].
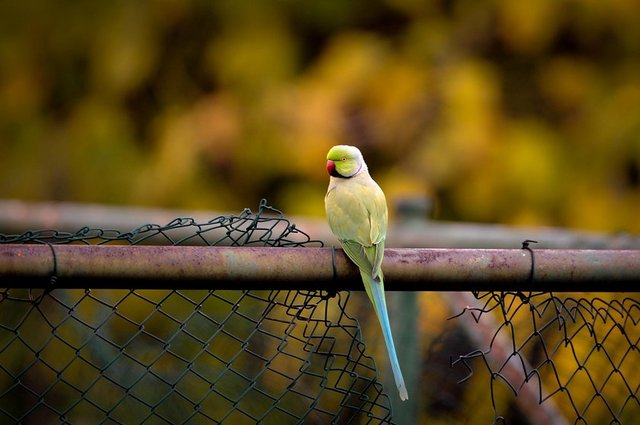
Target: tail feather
[(375, 291)]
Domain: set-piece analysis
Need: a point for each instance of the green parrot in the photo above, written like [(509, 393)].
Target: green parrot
[(357, 214)]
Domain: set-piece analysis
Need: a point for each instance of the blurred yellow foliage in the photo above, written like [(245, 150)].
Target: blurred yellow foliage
[(530, 26), (514, 112)]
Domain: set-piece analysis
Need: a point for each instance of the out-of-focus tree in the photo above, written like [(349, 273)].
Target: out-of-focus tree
[(502, 111)]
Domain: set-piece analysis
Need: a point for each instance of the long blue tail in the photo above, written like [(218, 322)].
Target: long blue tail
[(375, 290)]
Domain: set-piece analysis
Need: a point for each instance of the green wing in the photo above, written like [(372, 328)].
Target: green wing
[(357, 215)]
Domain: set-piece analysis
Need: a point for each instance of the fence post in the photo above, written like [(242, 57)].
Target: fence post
[(405, 328)]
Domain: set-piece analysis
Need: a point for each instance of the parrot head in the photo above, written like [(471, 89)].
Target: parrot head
[(344, 161)]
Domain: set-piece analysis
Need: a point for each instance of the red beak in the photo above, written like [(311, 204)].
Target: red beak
[(331, 167)]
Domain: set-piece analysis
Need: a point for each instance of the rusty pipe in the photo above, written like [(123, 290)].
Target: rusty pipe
[(422, 269)]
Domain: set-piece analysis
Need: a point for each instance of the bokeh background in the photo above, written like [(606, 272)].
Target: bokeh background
[(500, 111)]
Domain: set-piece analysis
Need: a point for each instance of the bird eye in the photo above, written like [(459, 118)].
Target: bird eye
[(344, 158)]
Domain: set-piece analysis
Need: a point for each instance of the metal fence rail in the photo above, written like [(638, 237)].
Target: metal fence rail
[(294, 268), (283, 355)]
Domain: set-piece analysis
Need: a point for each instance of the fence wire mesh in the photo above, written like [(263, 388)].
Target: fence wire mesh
[(265, 227), (100, 356), (184, 356), (199, 356), (580, 352)]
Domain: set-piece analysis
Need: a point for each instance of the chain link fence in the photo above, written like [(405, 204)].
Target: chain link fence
[(579, 352), (105, 355)]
